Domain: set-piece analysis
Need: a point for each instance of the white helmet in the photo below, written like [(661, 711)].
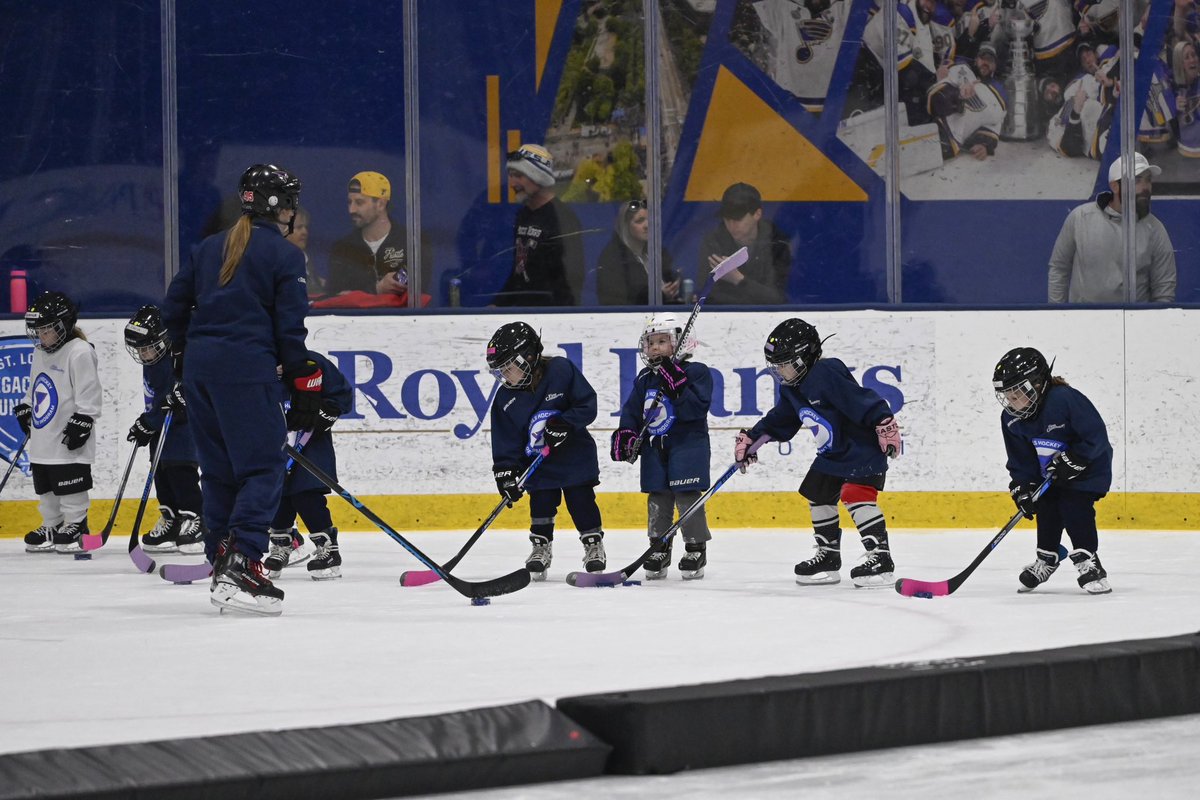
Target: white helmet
[(664, 323)]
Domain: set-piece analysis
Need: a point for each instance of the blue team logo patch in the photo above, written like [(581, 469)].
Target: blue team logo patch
[(663, 417), (45, 400), (822, 431), (537, 429), (16, 357)]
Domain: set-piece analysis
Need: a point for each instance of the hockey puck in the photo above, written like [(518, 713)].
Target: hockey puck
[(83, 556), (631, 583), (926, 595), (480, 601)]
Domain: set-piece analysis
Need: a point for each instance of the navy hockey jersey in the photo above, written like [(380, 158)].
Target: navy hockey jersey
[(319, 448), (157, 381), (676, 453), (1068, 421)]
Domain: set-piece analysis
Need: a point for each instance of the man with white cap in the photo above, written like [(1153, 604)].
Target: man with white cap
[(548, 250), (1088, 262)]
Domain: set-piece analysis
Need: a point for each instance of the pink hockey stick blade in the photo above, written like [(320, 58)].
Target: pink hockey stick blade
[(419, 577), (91, 541), (914, 588), (730, 264)]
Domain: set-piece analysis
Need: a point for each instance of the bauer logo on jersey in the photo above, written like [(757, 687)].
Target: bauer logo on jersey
[(45, 400), (16, 357), (537, 427), (663, 416), (822, 431)]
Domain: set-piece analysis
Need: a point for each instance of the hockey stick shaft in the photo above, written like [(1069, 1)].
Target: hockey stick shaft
[(12, 464), (302, 439), (505, 584), (423, 577), (140, 560), (586, 579), (94, 541), (910, 587)]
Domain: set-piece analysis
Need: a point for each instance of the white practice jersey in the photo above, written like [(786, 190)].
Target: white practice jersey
[(62, 383), (804, 46), (983, 111), (914, 39), (1055, 30)]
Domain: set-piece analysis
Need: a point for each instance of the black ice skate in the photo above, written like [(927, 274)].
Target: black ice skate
[(280, 553), (326, 561), (241, 587), (69, 537), (41, 539), (539, 558), (1037, 573), (190, 535), (594, 559), (659, 561), (876, 570), (691, 566), (823, 567), (162, 538), (1092, 576)]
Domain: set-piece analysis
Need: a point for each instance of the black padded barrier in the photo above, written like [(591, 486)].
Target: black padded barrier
[(660, 731), (481, 748)]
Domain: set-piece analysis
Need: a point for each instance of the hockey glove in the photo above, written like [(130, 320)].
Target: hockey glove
[(674, 378), (304, 384), (889, 437), (741, 448), (177, 360), (1065, 467), (24, 414), (77, 431), (624, 445), (143, 430), (175, 402), (556, 432), (327, 414), (1022, 495), (507, 476)]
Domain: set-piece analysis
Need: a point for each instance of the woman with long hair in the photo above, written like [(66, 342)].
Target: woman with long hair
[(623, 272)]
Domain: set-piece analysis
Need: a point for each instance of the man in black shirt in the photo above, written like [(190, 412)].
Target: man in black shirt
[(762, 280), (548, 251), (371, 258)]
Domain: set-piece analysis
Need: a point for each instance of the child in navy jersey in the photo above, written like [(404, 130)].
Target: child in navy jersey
[(1051, 431), (545, 402), (675, 453)]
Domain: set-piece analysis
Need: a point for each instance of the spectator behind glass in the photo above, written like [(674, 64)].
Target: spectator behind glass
[(547, 248), (299, 237), (1186, 68), (762, 280), (623, 272)]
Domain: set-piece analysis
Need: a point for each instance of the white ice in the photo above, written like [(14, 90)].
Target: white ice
[(94, 653)]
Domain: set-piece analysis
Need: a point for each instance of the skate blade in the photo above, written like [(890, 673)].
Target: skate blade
[(1023, 589), (333, 573), (595, 570), (191, 549), (30, 548), (300, 556), (68, 549), (880, 581), (273, 574), (1098, 587), (165, 548), (692, 575), (243, 604), (819, 579), (656, 575), (537, 576)]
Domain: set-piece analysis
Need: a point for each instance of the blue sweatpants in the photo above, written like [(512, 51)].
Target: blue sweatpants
[(239, 432)]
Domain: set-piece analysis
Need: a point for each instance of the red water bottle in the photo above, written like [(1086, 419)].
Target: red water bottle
[(18, 292)]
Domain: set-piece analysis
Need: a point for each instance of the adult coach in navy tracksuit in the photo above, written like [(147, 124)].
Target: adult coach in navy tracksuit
[(234, 312)]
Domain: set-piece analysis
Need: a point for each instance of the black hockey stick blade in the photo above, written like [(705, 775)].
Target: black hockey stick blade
[(137, 555), (505, 584)]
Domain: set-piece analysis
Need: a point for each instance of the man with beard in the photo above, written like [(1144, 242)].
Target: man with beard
[(1088, 262), (969, 106)]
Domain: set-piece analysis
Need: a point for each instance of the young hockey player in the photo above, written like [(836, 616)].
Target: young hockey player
[(177, 480), (675, 454), (57, 414), (855, 433), (545, 402), (303, 494), (1052, 431)]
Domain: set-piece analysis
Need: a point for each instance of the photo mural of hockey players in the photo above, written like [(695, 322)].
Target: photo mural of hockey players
[(1175, 84)]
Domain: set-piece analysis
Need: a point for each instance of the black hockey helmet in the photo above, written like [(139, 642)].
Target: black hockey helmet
[(793, 343), (52, 311), (266, 189), (1020, 381), (146, 336), (515, 344)]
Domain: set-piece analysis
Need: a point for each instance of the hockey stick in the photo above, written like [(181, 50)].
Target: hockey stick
[(16, 457), (94, 541), (505, 584), (143, 562), (910, 587), (728, 265), (619, 577), (423, 577), (302, 438)]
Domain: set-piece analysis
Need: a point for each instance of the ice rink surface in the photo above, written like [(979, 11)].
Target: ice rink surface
[(94, 653)]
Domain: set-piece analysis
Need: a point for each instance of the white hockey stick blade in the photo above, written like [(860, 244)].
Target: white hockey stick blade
[(730, 264)]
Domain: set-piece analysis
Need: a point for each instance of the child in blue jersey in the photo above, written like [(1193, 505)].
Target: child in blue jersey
[(855, 434), (545, 403), (1051, 431), (177, 480), (304, 494), (675, 454)]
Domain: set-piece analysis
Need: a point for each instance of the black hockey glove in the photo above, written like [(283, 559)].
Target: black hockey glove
[(24, 413), (1065, 467), (175, 402), (143, 430), (177, 360), (624, 445), (77, 431), (327, 414), (507, 477), (674, 378), (304, 382), (1022, 495), (556, 432)]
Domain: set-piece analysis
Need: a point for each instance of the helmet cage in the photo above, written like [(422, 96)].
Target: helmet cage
[(1021, 399), (796, 364), (36, 323), (499, 368), (146, 346), (668, 324)]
